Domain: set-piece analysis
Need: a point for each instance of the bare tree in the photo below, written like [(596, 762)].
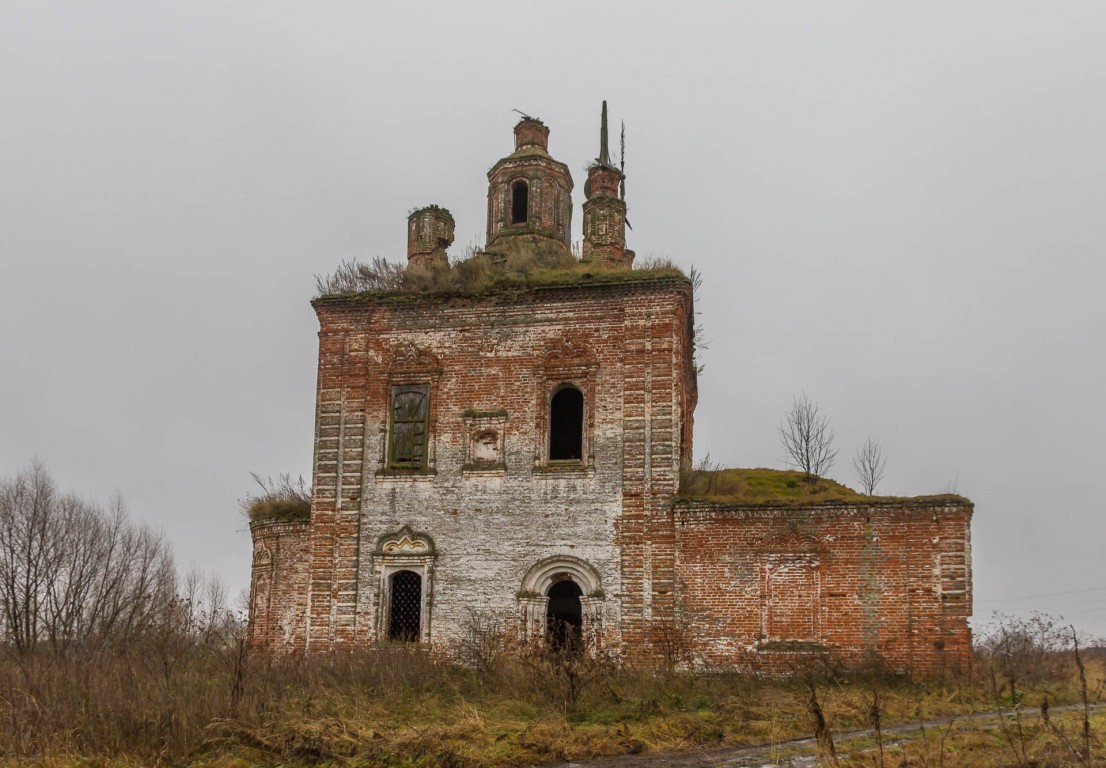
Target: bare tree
[(72, 573), (868, 464), (807, 438)]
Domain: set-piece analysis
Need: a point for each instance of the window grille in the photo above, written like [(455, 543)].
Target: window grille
[(405, 610)]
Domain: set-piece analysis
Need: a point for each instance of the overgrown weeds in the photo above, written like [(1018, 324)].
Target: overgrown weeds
[(166, 701), (710, 481), (515, 265), (282, 498)]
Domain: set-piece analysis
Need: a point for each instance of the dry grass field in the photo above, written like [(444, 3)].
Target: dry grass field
[(207, 704), (108, 657)]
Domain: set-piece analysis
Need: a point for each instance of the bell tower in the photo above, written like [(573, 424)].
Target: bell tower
[(529, 194), (605, 209)]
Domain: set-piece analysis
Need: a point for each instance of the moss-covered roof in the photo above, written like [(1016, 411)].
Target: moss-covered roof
[(775, 487), (517, 282)]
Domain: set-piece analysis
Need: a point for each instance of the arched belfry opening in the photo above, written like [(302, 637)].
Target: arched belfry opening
[(566, 425), (405, 607), (530, 196), (564, 617), (520, 202)]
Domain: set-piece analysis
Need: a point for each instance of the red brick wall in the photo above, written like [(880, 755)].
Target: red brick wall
[(626, 345), (763, 586), (755, 587), (278, 585)]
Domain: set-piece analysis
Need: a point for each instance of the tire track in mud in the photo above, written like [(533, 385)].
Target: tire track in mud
[(803, 752)]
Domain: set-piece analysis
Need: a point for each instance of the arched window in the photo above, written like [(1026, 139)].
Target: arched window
[(566, 425), (564, 617), (405, 608), (520, 202)]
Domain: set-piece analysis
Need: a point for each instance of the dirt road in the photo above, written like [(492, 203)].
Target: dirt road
[(798, 753)]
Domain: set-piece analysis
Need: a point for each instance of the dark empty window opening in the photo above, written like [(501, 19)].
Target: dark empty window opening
[(405, 610), (520, 202), (564, 617), (566, 425)]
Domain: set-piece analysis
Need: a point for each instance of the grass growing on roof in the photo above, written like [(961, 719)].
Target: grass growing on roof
[(778, 486), (282, 499), (519, 267)]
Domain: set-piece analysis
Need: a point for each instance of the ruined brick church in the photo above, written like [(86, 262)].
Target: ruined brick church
[(516, 450)]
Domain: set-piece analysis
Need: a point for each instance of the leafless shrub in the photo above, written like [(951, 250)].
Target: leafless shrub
[(476, 272), (822, 733), (357, 277), (699, 333), (1022, 650), (875, 719), (807, 438), (868, 465), (1082, 752), (568, 669), (484, 640)]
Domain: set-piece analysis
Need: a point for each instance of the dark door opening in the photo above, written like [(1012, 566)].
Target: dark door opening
[(405, 610), (564, 617), (566, 425)]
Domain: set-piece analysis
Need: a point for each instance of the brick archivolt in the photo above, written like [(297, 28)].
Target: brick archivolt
[(547, 572)]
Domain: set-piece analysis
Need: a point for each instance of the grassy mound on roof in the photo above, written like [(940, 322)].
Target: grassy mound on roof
[(777, 486), (283, 499), (518, 267), (264, 510)]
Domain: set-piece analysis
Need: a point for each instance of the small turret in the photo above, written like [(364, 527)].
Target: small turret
[(605, 210), (429, 233), (531, 132), (530, 195)]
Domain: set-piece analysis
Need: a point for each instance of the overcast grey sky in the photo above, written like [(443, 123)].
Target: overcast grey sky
[(896, 207)]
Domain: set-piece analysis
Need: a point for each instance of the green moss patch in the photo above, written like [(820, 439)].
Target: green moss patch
[(516, 269), (776, 486)]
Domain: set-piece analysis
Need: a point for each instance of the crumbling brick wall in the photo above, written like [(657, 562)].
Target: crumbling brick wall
[(887, 580), (478, 530), (278, 584)]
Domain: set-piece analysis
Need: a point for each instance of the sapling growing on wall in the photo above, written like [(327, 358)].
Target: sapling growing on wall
[(868, 465), (807, 438)]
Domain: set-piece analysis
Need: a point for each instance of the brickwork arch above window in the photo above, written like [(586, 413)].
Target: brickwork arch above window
[(409, 426), (545, 573), (566, 407), (558, 588)]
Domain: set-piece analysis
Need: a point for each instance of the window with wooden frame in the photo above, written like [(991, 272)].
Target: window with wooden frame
[(410, 426)]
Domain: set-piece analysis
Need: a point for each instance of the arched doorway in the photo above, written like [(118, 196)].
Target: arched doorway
[(564, 616), (405, 608)]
